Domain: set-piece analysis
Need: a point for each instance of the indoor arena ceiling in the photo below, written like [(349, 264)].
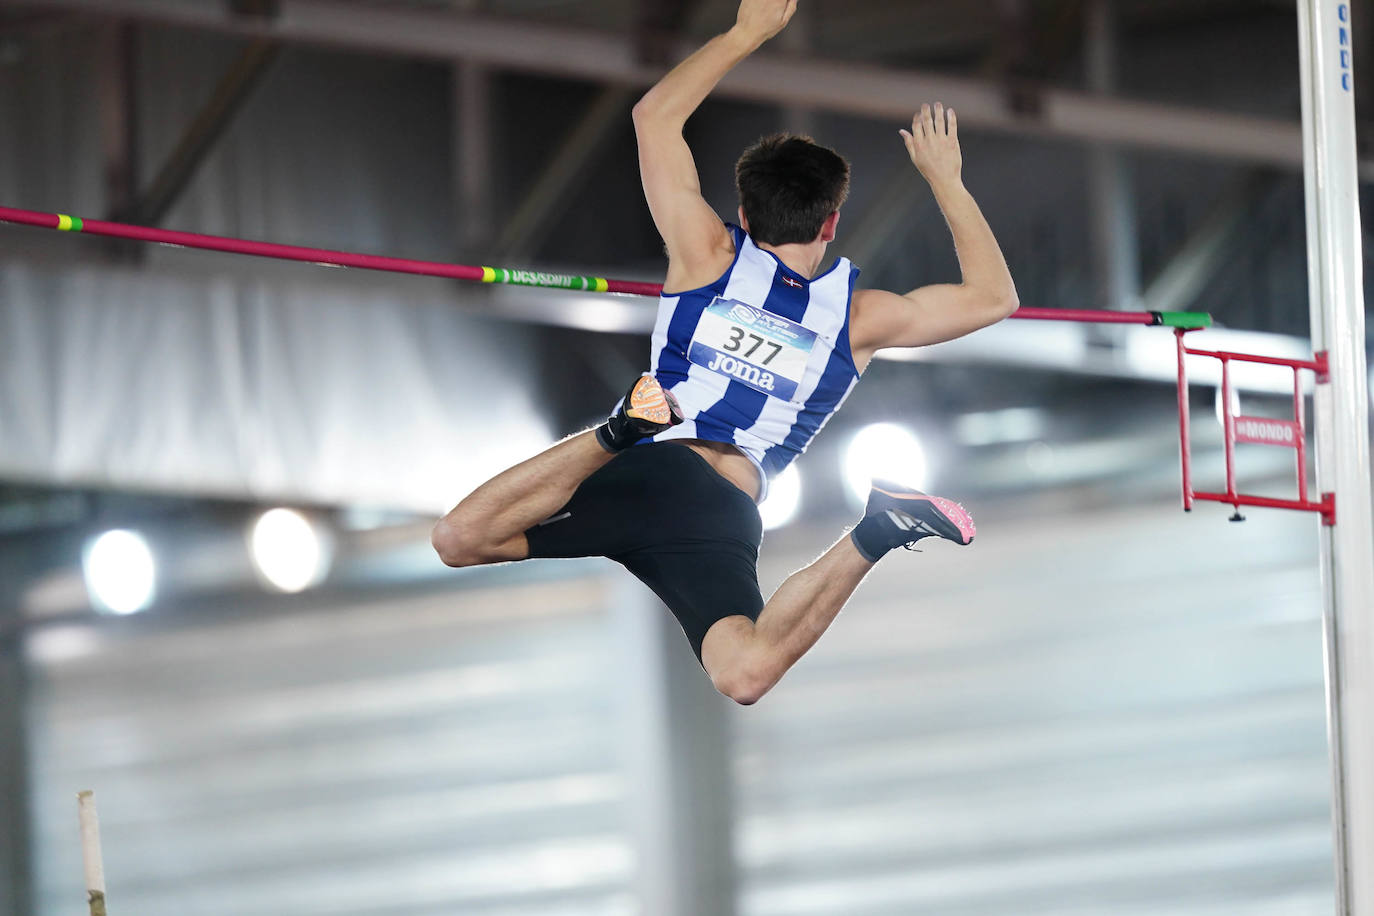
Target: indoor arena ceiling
[(1028, 39), (1033, 40), (994, 32)]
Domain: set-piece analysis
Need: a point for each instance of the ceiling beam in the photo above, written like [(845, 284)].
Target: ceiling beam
[(549, 195), (116, 60), (766, 77), (891, 209), (205, 130), (1180, 281), (473, 151)]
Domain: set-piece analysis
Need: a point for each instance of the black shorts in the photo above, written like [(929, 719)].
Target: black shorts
[(667, 516)]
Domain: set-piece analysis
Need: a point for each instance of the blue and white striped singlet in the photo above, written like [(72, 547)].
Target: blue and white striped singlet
[(760, 358)]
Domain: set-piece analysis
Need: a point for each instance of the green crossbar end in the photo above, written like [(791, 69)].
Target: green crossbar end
[(1189, 320)]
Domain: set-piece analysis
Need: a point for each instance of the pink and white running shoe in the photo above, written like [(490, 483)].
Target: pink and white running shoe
[(914, 515)]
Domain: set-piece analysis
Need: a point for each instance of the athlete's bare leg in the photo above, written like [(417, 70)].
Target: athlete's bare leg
[(489, 525), (746, 658)]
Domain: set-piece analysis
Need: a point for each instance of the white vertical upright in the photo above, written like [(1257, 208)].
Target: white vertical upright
[(677, 763), (92, 863), (1335, 270)]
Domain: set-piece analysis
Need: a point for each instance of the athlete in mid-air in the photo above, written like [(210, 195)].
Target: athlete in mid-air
[(758, 341)]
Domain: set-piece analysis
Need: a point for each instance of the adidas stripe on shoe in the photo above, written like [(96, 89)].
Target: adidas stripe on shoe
[(898, 516)]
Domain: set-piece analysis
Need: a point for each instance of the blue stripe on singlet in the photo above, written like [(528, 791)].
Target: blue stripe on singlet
[(835, 380), (788, 301), (672, 365), (740, 406), (672, 359)]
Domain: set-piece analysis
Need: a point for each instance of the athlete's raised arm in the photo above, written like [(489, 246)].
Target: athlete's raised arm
[(932, 314), (699, 246)]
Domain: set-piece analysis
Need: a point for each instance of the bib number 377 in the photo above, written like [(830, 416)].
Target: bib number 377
[(759, 349)]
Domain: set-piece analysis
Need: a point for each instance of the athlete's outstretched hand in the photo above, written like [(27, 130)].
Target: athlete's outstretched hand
[(933, 144), (762, 19)]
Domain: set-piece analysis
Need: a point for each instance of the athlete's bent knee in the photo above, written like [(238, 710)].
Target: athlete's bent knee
[(453, 548), (742, 685)]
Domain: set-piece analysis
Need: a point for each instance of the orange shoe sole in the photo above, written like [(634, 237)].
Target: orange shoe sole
[(648, 401)]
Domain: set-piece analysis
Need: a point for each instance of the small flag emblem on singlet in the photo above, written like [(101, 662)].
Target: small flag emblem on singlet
[(795, 284)]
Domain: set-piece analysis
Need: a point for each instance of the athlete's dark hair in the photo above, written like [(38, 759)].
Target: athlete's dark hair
[(788, 184)]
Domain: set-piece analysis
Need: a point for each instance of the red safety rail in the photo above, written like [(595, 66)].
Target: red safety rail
[(1257, 430)]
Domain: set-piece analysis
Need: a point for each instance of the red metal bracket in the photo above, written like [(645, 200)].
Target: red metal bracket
[(1257, 430)]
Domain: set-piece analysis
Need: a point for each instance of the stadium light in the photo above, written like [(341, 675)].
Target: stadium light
[(287, 550), (784, 499), (887, 451), (121, 576)]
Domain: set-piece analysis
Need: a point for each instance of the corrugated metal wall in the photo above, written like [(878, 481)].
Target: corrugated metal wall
[(1117, 711), (1110, 712), (435, 755)]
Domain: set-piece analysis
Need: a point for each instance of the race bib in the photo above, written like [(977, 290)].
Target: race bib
[(756, 348)]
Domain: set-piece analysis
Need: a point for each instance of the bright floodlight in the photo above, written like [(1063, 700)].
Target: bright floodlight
[(784, 499), (287, 550), (120, 573), (883, 451)]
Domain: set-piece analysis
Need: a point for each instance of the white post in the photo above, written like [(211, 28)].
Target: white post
[(90, 851), (1335, 270), (677, 763)]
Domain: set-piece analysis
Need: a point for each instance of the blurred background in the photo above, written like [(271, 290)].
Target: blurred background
[(218, 605)]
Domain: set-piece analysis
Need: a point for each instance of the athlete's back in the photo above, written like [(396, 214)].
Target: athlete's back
[(759, 358)]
